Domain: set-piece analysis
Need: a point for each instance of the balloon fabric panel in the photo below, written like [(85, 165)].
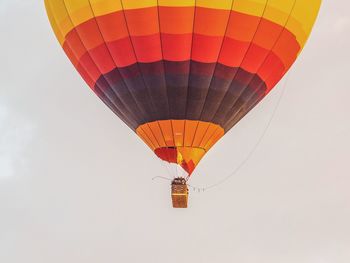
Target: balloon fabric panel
[(181, 73)]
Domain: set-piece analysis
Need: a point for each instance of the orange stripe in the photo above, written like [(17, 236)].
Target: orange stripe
[(167, 132), (177, 47), (190, 131), (211, 22), (176, 20), (144, 22), (180, 133)]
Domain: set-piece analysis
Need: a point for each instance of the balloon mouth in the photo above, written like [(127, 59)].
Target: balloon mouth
[(180, 142), (186, 157)]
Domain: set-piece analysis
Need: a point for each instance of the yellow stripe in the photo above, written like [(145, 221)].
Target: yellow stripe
[(278, 11), (300, 22), (303, 19), (102, 7), (59, 18), (217, 4), (135, 4), (79, 11), (60, 37), (59, 15), (177, 3), (250, 7)]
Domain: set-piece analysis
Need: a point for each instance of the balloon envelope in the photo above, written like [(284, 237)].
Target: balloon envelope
[(182, 73)]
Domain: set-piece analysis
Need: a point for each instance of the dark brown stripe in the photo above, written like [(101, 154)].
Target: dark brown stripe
[(216, 93)]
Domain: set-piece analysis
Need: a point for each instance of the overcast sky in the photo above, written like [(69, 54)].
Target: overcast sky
[(75, 182)]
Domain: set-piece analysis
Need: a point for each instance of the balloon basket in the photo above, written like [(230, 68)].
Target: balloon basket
[(179, 193)]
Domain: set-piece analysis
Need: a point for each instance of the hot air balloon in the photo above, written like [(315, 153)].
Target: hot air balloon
[(182, 73)]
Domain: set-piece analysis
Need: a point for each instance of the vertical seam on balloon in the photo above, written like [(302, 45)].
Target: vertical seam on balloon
[(189, 73), (210, 137), (153, 135), (206, 130), (263, 62), (161, 131), (138, 63), (175, 146), (161, 49), (190, 58), (149, 140), (227, 125), (249, 108), (117, 112), (194, 135), (270, 52), (173, 133), (166, 144), (87, 52), (202, 141), (183, 135), (234, 76), (218, 57), (109, 52), (132, 120)]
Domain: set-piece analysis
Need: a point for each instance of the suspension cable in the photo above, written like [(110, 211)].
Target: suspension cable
[(251, 152), (255, 147)]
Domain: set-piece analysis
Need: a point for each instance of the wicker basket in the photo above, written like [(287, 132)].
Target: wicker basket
[(179, 193)]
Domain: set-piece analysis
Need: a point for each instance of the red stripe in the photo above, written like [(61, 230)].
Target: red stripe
[(87, 68), (205, 48), (241, 29), (178, 20), (112, 26), (147, 48), (102, 58), (257, 60), (177, 47), (237, 49)]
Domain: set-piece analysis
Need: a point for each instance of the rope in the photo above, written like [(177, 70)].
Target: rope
[(251, 152), (255, 147), (161, 177)]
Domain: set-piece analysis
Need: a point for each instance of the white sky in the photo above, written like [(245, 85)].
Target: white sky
[(75, 182)]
